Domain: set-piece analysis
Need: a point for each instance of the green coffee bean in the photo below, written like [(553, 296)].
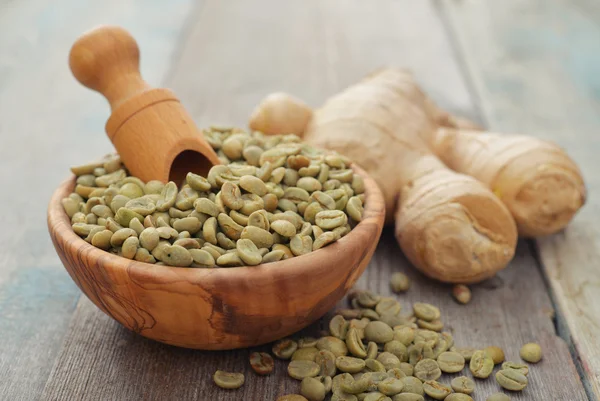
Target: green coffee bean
[(283, 227), (167, 232), (333, 344), (228, 380), (370, 314), (338, 326), (466, 353), (531, 352), (521, 367), (176, 255), (377, 396), (440, 348), (285, 348), (388, 306), (230, 259), (260, 237), (412, 385), (325, 239), (354, 343), (407, 368), (305, 354), (511, 379), (273, 256), (427, 369), (326, 361), (373, 365), (426, 312), (458, 397), (136, 226), (349, 364), (300, 369), (463, 384), (124, 216), (330, 219), (398, 349), (202, 258), (408, 397), (372, 350), (232, 196), (189, 224), (435, 325), (481, 365), (496, 353), (121, 235), (451, 362), (390, 386), (187, 243), (185, 198), (143, 255), (312, 389), (248, 252), (436, 390), (405, 335), (379, 332), (287, 397), (388, 360), (130, 247), (300, 244), (102, 238), (352, 386)]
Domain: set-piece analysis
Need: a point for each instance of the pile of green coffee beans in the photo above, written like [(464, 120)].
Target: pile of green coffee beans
[(274, 198), (374, 352)]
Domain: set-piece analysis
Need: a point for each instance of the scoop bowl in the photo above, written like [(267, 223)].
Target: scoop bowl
[(218, 308)]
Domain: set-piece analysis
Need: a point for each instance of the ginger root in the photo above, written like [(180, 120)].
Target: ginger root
[(280, 113), (541, 186), (451, 226), (448, 224)]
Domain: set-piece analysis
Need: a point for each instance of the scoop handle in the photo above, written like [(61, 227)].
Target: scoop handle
[(149, 127), (107, 60)]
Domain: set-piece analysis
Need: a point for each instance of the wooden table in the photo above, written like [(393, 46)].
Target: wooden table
[(527, 66)]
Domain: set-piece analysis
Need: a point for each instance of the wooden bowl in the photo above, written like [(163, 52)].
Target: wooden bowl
[(220, 308)]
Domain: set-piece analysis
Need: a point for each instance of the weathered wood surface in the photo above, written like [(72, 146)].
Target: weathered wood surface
[(48, 122), (534, 65), (235, 53)]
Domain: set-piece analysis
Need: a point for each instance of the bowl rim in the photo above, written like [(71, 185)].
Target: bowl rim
[(59, 225)]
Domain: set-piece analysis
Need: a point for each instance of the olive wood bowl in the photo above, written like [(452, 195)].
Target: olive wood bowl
[(218, 308)]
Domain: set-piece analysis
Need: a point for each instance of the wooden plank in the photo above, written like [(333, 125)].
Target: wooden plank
[(220, 75), (534, 66), (47, 123)]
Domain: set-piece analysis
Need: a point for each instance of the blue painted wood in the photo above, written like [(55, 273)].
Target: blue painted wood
[(49, 122)]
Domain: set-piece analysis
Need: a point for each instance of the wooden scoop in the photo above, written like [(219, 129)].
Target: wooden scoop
[(154, 135)]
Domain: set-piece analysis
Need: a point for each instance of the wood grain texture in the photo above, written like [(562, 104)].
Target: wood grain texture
[(534, 66), (221, 308), (47, 123), (150, 129), (312, 49)]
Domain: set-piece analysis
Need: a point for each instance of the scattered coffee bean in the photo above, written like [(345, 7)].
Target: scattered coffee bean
[(435, 390), (531, 352), (511, 379), (521, 367), (228, 380), (496, 353), (481, 365), (463, 384), (461, 293), (261, 362)]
